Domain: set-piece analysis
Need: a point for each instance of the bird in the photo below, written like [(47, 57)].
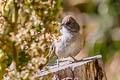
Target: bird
[(70, 43)]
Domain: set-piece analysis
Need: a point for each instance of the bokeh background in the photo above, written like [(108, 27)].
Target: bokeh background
[(100, 22), (28, 28)]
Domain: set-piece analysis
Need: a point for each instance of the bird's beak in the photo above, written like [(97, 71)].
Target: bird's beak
[(60, 28), (63, 23)]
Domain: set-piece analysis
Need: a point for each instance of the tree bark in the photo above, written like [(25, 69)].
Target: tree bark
[(87, 69)]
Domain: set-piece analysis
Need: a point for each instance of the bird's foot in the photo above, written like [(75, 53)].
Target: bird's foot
[(75, 60)]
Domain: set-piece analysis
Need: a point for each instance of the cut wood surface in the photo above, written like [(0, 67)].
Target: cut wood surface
[(87, 69)]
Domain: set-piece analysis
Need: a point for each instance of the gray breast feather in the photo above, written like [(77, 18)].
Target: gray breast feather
[(68, 46)]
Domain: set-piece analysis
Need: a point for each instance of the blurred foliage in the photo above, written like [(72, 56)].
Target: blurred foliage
[(26, 30), (88, 7), (107, 44), (107, 20), (101, 23)]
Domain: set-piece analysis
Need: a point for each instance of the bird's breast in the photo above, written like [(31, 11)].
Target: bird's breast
[(68, 46)]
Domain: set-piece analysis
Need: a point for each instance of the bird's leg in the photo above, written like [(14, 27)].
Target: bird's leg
[(74, 59), (58, 62), (57, 65), (81, 59)]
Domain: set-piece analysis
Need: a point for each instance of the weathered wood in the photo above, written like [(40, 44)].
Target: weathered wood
[(89, 69)]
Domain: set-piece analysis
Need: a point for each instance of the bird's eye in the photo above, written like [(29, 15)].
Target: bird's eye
[(68, 23)]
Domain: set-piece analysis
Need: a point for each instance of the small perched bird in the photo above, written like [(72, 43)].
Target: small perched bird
[(70, 42)]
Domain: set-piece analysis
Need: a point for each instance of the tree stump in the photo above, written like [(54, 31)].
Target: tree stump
[(87, 69)]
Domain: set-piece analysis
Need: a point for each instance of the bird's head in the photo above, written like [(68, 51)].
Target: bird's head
[(69, 24)]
